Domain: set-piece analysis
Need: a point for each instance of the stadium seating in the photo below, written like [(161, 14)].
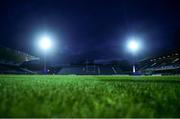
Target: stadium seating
[(11, 60), (107, 70), (95, 69), (71, 70), (16, 62), (14, 57), (162, 64), (12, 69)]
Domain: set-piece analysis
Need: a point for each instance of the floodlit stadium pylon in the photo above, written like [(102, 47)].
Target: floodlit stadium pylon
[(45, 44), (133, 45)]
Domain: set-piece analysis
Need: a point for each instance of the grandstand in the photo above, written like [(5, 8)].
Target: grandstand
[(17, 62), (97, 68), (11, 61), (163, 64), (90, 70)]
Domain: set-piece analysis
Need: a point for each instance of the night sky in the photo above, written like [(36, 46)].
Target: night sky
[(96, 29)]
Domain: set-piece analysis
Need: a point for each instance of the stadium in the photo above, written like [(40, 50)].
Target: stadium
[(17, 62), (82, 60)]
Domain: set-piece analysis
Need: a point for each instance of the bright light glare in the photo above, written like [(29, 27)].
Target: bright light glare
[(133, 45), (45, 42)]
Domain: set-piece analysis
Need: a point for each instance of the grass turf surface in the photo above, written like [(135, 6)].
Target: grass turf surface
[(89, 96)]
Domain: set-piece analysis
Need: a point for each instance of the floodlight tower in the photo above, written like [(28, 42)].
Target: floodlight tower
[(133, 46), (45, 44)]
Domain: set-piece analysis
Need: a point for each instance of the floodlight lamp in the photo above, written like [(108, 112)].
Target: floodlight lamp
[(45, 42), (133, 45)]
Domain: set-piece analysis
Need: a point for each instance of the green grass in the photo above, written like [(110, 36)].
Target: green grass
[(89, 96)]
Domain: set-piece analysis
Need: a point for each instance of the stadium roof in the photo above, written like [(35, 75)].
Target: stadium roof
[(10, 55)]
